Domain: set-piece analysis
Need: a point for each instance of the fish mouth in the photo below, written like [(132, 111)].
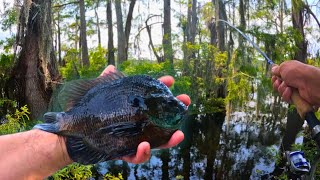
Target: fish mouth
[(166, 111), (180, 110)]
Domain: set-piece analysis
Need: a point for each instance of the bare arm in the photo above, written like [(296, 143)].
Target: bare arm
[(37, 154), (33, 154)]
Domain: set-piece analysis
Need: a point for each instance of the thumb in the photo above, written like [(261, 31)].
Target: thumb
[(275, 70)]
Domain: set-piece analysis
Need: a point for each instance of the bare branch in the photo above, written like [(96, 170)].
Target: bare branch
[(149, 34), (313, 15), (151, 42), (66, 4)]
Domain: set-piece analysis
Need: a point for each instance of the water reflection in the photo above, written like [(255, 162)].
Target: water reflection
[(211, 150)]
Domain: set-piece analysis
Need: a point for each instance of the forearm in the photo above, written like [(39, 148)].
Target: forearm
[(32, 154)]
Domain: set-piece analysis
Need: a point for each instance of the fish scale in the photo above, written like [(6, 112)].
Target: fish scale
[(108, 117)]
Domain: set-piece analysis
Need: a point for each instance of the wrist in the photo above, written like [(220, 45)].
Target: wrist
[(33, 154), (55, 147), (49, 151)]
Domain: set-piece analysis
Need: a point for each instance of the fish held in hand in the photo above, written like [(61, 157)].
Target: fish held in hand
[(108, 117)]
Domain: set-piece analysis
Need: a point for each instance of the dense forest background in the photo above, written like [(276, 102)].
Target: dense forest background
[(47, 43)]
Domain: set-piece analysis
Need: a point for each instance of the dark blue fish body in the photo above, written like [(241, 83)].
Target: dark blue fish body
[(108, 117)]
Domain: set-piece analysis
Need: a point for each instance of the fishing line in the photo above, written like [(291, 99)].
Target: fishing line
[(269, 61), (247, 38)]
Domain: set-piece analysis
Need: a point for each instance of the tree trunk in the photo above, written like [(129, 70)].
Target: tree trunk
[(60, 60), (242, 27), (221, 35), (76, 32), (121, 35), (128, 26), (98, 22), (165, 168), (194, 21), (166, 40), (297, 21), (36, 66), (83, 35), (213, 32), (191, 28), (220, 14), (110, 55)]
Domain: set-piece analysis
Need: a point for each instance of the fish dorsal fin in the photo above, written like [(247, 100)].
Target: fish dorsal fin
[(73, 91)]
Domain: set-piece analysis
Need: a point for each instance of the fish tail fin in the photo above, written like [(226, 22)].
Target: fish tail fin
[(80, 152), (52, 128), (50, 117), (51, 122)]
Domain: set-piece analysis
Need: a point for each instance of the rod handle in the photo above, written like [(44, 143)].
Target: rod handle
[(302, 106)]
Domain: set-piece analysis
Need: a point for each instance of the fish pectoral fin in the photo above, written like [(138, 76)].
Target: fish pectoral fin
[(124, 128)]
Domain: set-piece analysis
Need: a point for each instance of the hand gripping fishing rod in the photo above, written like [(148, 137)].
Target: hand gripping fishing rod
[(304, 109)]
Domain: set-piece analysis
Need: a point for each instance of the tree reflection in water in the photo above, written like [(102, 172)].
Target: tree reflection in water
[(210, 151)]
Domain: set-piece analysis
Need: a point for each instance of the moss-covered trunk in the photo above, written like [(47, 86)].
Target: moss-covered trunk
[(35, 67)]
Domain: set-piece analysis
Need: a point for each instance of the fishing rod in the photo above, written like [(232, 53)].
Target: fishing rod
[(305, 110)]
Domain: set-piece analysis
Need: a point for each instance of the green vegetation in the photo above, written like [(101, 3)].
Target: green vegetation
[(113, 177), (74, 70), (16, 122), (73, 171)]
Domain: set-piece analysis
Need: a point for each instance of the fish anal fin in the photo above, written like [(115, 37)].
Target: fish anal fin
[(79, 151)]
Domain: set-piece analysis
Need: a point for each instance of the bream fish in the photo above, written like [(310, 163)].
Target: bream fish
[(106, 118)]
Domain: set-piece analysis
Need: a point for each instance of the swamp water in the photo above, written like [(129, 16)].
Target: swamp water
[(243, 148)]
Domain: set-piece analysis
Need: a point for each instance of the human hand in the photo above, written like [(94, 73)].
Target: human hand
[(144, 150), (294, 74)]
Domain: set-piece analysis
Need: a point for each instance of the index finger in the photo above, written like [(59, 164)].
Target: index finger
[(185, 99), (167, 80), (109, 69)]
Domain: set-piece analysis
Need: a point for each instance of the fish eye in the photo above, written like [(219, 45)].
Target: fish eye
[(136, 101)]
